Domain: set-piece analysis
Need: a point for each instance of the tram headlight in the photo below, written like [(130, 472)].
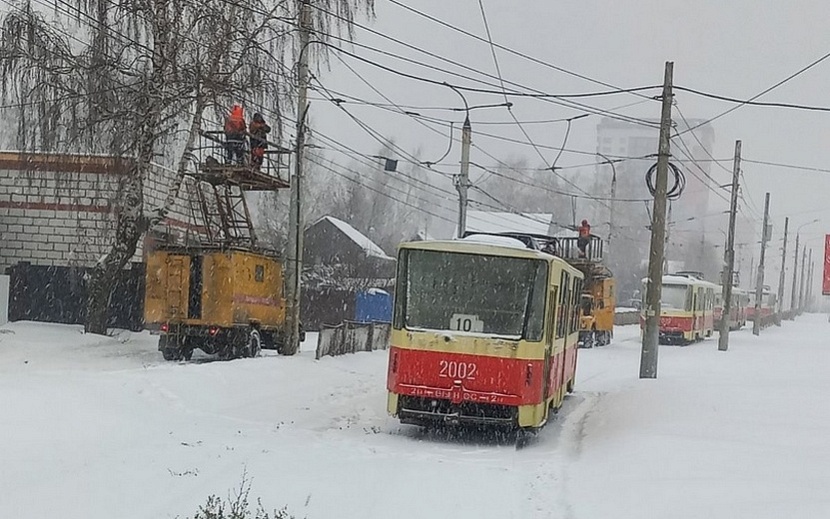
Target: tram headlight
[(529, 374)]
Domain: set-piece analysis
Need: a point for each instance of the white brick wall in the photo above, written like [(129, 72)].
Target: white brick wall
[(65, 218)]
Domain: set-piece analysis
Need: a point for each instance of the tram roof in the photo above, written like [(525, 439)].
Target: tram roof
[(684, 280), (504, 247)]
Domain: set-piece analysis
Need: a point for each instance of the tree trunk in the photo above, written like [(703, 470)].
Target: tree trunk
[(128, 230)]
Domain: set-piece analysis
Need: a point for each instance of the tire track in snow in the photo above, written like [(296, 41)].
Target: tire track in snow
[(549, 479)]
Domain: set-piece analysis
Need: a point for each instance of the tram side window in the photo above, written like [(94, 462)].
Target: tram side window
[(577, 290), (536, 311), (561, 317)]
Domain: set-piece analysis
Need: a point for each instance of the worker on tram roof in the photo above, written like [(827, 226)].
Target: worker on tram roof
[(235, 135)]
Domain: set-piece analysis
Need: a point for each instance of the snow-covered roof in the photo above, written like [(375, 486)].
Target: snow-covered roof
[(496, 222), (501, 241), (370, 247)]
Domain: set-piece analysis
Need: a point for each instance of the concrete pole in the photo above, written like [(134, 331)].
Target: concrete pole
[(759, 279), (781, 274), (795, 279), (729, 254), (801, 282), (651, 336), (295, 221)]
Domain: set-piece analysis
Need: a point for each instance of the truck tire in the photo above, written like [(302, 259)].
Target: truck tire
[(170, 348), (253, 345)]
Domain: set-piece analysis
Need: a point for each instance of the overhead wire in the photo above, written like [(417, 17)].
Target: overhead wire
[(507, 49), (763, 92), (572, 105)]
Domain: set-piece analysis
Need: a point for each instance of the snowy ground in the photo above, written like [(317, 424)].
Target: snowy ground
[(101, 427)]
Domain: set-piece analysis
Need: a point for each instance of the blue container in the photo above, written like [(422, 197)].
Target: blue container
[(373, 305)]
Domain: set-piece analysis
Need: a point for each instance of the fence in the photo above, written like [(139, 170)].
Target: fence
[(626, 316), (58, 295), (351, 337)]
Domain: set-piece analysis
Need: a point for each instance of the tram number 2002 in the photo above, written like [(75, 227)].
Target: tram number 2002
[(457, 370)]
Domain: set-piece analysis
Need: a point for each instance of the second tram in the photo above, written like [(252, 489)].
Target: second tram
[(687, 309)]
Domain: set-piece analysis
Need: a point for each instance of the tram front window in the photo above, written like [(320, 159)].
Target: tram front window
[(675, 297), (491, 295)]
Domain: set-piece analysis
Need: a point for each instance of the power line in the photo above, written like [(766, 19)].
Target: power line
[(741, 102), (507, 49), (570, 104), (553, 98), (763, 92), (787, 166)]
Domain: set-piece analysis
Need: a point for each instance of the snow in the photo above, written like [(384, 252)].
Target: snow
[(500, 241), (97, 427), (499, 222), (359, 238)]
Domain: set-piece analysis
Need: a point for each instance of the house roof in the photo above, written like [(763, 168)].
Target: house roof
[(360, 239)]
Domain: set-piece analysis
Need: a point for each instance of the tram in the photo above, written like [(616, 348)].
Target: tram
[(768, 304), (737, 311), (484, 333), (687, 312)]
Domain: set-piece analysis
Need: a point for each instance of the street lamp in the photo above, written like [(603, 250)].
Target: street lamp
[(613, 198)]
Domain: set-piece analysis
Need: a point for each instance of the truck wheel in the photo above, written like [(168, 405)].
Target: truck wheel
[(253, 346), (169, 348)]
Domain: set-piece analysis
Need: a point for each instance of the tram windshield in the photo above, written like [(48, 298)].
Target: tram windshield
[(490, 295), (676, 297)]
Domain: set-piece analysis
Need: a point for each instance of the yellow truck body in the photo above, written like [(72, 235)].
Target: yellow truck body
[(222, 301), (597, 316)]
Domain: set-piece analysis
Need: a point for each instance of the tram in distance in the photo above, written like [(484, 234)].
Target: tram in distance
[(687, 312), (768, 303), (484, 333), (737, 309)]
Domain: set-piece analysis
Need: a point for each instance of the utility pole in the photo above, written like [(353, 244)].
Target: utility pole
[(759, 279), (651, 336), (729, 254), (795, 280), (808, 291), (295, 219), (462, 181), (801, 283), (781, 275)]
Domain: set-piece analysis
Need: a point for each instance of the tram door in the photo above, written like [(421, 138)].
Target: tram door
[(549, 344)]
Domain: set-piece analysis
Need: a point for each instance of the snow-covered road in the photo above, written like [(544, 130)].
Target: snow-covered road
[(100, 427)]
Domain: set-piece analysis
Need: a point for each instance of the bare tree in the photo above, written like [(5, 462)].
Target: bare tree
[(134, 80)]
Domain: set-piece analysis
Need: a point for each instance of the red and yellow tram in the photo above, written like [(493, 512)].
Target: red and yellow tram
[(687, 312), (737, 310), (485, 332)]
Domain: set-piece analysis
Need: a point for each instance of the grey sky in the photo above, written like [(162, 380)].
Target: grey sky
[(736, 48)]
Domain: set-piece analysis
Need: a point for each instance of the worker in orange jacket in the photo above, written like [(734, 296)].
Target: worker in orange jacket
[(235, 136)]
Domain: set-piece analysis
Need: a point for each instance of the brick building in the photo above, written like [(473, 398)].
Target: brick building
[(57, 210)]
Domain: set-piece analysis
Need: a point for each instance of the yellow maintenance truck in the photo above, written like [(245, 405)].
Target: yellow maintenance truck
[(221, 293), (598, 300), (223, 301), (596, 321)]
